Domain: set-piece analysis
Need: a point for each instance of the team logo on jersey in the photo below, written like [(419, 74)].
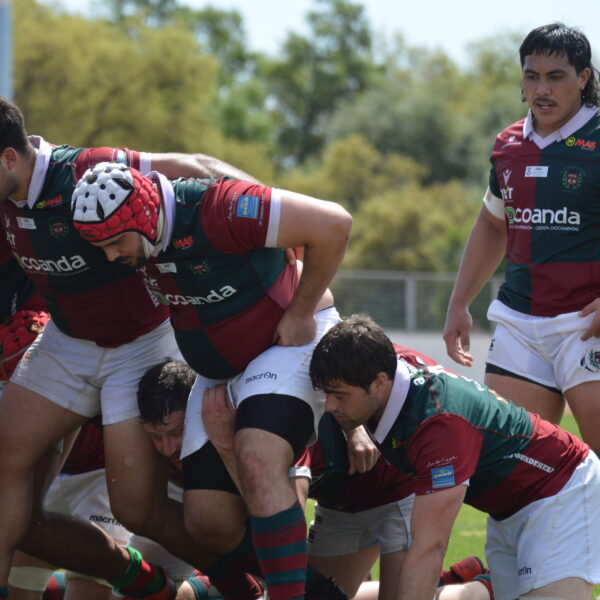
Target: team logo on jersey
[(26, 223), (248, 207), (580, 143), (506, 175), (59, 228), (48, 203), (6, 221), (201, 268), (572, 178), (591, 359), (442, 477)]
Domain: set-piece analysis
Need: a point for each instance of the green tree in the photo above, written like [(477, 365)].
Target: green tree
[(91, 83), (352, 171), (315, 73), (412, 228), (445, 117), (238, 105)]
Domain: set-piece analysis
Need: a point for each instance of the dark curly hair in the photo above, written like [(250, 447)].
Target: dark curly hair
[(12, 127), (354, 351), (164, 389), (558, 39)]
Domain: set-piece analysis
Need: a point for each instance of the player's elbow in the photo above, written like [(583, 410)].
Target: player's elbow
[(342, 223)]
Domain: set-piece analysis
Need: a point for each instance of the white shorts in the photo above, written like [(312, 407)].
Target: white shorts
[(85, 495), (337, 533), (88, 379), (550, 539), (277, 370), (546, 350), (155, 554)]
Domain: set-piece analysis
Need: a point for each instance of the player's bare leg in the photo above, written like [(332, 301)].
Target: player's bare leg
[(583, 402), (349, 570), (137, 487), (32, 425), (532, 397), (277, 519)]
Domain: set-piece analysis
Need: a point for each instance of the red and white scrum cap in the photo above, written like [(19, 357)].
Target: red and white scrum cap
[(110, 199)]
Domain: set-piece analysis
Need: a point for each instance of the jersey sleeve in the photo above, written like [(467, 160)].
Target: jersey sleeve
[(92, 156), (444, 452), (239, 217), (494, 204), (302, 467), (493, 180)]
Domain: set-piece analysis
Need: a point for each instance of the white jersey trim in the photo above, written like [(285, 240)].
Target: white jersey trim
[(583, 115), (168, 196), (494, 204), (145, 163), (395, 401), (300, 471), (44, 150), (274, 219)]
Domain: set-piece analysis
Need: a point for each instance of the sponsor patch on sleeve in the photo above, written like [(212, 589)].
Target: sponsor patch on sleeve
[(442, 477), (248, 207)]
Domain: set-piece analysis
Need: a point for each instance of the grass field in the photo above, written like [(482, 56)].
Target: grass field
[(468, 535)]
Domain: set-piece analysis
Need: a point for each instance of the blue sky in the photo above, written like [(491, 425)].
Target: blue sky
[(449, 25)]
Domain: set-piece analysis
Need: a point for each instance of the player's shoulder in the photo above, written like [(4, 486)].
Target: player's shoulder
[(511, 135), (414, 357)]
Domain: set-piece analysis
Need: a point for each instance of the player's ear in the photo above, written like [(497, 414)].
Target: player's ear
[(8, 158), (379, 383)]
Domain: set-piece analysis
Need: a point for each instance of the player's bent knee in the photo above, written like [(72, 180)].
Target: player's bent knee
[(136, 518), (34, 579), (217, 534)]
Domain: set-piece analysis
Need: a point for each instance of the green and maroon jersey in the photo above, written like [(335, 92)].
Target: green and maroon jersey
[(331, 485), (552, 213), (447, 430), (17, 291), (225, 290), (87, 296)]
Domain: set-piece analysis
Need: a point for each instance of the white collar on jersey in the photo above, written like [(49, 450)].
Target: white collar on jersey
[(44, 150), (583, 115), (167, 209), (395, 402)]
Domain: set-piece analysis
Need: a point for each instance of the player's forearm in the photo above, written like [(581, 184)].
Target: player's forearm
[(483, 253), (173, 165), (321, 262), (420, 573)]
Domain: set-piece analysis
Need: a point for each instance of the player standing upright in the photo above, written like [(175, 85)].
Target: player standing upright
[(541, 211)]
